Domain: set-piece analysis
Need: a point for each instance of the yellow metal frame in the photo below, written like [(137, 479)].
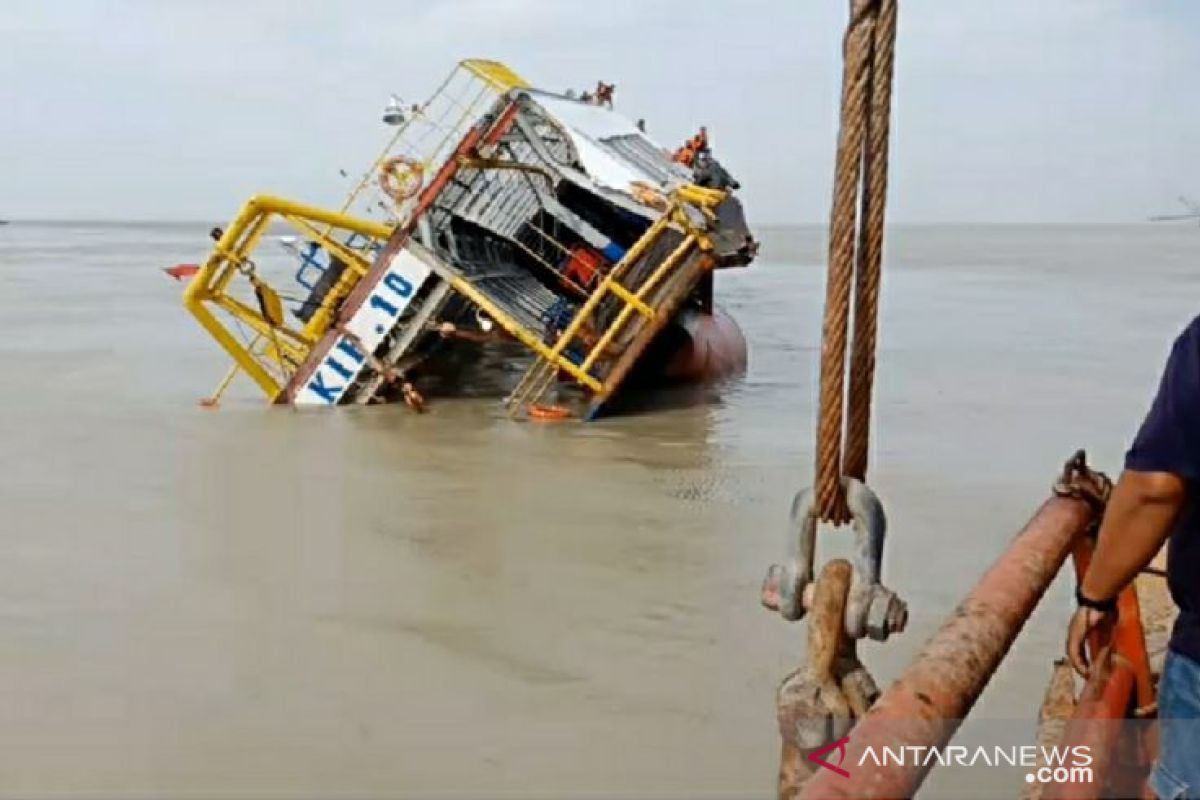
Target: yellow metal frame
[(281, 347), (496, 76), (675, 216)]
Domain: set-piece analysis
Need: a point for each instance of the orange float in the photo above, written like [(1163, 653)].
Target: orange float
[(401, 177), (545, 413)]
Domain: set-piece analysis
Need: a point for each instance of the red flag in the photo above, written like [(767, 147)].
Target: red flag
[(181, 271)]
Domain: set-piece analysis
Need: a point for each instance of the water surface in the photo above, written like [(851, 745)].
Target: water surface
[(368, 602)]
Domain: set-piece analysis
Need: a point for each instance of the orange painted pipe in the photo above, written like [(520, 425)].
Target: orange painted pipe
[(1097, 725), (1128, 636), (1120, 677), (926, 704)]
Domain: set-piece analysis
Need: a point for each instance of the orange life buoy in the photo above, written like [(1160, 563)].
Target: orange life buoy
[(547, 413), (401, 177)]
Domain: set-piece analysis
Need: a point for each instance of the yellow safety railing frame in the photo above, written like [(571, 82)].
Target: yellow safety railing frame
[(281, 345), (675, 216), (495, 76), (280, 348), (498, 75)]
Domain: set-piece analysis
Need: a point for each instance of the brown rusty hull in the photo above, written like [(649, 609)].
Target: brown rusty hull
[(695, 348), (713, 349)]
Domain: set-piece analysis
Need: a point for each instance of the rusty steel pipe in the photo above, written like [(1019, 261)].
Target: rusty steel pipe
[(926, 704)]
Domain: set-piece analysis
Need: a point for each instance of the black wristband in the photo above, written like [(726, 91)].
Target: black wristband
[(1104, 606)]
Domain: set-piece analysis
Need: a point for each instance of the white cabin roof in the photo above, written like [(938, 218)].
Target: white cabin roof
[(612, 150)]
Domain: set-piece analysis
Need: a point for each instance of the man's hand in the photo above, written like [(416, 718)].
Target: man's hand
[(1082, 624), (1139, 517)]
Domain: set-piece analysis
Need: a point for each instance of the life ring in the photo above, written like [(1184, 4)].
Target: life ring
[(547, 413), (401, 177)]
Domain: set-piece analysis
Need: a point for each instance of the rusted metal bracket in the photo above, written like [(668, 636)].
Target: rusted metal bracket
[(1081, 482), (817, 704), (812, 709), (871, 609)]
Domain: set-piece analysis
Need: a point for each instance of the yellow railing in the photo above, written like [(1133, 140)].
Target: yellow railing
[(462, 97), (497, 75), (276, 348), (678, 215)]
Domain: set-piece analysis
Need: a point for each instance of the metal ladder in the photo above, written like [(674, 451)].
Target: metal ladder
[(533, 386)]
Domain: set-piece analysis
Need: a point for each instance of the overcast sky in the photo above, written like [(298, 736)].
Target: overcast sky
[(1006, 110)]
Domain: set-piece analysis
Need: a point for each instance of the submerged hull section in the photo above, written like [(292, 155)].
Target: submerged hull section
[(712, 349)]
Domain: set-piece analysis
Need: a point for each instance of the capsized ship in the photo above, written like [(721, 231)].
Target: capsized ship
[(496, 211)]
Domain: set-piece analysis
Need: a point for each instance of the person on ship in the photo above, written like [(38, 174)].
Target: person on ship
[(693, 148), (1156, 499), (685, 155), (604, 93), (709, 173)]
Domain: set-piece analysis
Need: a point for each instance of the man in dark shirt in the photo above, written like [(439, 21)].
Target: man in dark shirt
[(1158, 495)]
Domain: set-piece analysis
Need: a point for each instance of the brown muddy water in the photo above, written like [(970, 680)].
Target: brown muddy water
[(365, 602)]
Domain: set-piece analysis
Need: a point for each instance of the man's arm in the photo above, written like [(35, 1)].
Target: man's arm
[(1161, 463), (1139, 517)]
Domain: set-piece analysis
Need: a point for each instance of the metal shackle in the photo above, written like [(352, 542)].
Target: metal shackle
[(871, 609)]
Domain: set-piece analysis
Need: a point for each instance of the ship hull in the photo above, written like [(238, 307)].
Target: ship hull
[(697, 347)]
